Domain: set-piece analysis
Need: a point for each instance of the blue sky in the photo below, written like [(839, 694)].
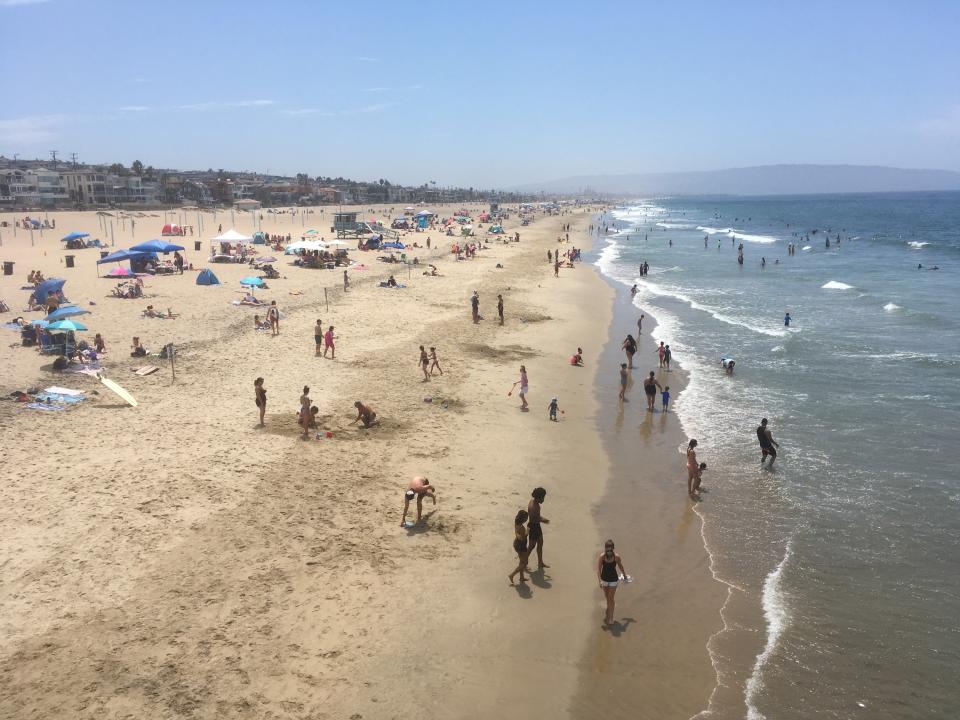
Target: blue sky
[(481, 94)]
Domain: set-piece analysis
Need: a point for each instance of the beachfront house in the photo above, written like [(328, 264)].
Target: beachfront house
[(86, 187), (37, 187)]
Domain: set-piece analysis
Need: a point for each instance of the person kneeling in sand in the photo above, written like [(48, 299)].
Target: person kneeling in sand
[(418, 488), (365, 414)]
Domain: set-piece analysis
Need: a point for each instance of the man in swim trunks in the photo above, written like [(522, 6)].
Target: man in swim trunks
[(768, 446), (535, 532), (418, 488)]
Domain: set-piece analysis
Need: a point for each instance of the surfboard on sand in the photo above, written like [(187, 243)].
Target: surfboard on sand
[(119, 391)]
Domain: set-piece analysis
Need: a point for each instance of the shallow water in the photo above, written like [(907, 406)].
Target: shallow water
[(847, 550)]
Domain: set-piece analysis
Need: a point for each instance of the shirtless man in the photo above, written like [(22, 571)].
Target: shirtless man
[(273, 316), (364, 414), (535, 532), (418, 487), (768, 446)]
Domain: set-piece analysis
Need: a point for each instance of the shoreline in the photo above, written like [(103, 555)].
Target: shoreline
[(675, 600)]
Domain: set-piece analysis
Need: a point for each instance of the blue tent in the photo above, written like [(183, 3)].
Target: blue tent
[(119, 256), (206, 277), (259, 238), (395, 245), (156, 246), (40, 292)]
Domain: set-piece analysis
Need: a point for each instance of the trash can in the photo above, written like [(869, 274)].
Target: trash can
[(69, 259), (7, 267), (104, 253), (196, 245)]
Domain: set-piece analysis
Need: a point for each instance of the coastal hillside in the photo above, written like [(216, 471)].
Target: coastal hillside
[(761, 180)]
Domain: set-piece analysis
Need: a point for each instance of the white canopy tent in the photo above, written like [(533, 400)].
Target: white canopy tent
[(232, 236)]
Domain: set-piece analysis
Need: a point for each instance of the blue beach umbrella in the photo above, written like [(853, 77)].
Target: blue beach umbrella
[(253, 281), (64, 312), (74, 236), (66, 326), (39, 323), (156, 246)]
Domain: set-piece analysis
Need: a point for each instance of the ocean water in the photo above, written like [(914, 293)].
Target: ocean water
[(843, 561)]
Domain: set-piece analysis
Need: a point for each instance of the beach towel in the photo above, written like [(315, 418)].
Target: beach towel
[(84, 368), (395, 287), (146, 370), (41, 406), (57, 390)]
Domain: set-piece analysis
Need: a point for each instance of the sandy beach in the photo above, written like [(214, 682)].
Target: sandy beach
[(173, 560)]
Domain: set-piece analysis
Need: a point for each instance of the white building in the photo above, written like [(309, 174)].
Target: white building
[(38, 187)]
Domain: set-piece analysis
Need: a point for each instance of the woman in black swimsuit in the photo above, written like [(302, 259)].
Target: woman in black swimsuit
[(650, 387), (630, 348), (607, 565), (520, 544), (261, 397)]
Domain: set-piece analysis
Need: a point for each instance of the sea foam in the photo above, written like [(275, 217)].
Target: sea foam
[(834, 285), (777, 617), (738, 234), (890, 307), (917, 245)]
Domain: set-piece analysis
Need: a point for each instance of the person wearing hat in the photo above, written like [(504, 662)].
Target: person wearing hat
[(553, 406), (418, 487)]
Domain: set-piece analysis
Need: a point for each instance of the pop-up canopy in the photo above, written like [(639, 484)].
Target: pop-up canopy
[(155, 246), (232, 236)]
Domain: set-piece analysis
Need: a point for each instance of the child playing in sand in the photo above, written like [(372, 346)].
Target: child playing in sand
[(365, 414), (696, 483), (328, 344), (553, 407), (665, 399)]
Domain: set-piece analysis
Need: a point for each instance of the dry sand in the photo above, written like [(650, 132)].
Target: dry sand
[(174, 561)]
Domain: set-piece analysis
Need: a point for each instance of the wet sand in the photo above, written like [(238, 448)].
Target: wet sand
[(653, 662)]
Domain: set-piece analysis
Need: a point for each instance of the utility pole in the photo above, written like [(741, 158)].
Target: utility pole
[(73, 159), (53, 154)]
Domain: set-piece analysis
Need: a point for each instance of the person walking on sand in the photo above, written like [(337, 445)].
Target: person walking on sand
[(665, 399), (609, 570), (630, 348), (768, 446), (475, 306), (661, 352), (535, 531), (260, 395), (524, 387), (328, 344), (624, 376), (640, 325), (520, 545), (317, 337), (556, 266), (650, 387), (692, 469), (346, 281), (418, 488), (552, 408), (500, 307), (435, 363), (424, 364), (667, 355), (273, 317)]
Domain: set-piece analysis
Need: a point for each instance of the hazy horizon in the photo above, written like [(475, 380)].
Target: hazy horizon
[(492, 96)]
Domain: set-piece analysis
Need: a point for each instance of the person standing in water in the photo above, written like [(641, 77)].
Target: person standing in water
[(629, 346), (650, 387), (692, 469), (623, 381), (535, 534), (640, 325), (786, 320), (768, 446), (609, 570)]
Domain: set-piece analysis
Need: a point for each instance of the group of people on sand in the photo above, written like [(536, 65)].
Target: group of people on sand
[(307, 415)]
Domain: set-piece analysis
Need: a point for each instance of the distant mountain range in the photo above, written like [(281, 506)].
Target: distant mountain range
[(762, 180)]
